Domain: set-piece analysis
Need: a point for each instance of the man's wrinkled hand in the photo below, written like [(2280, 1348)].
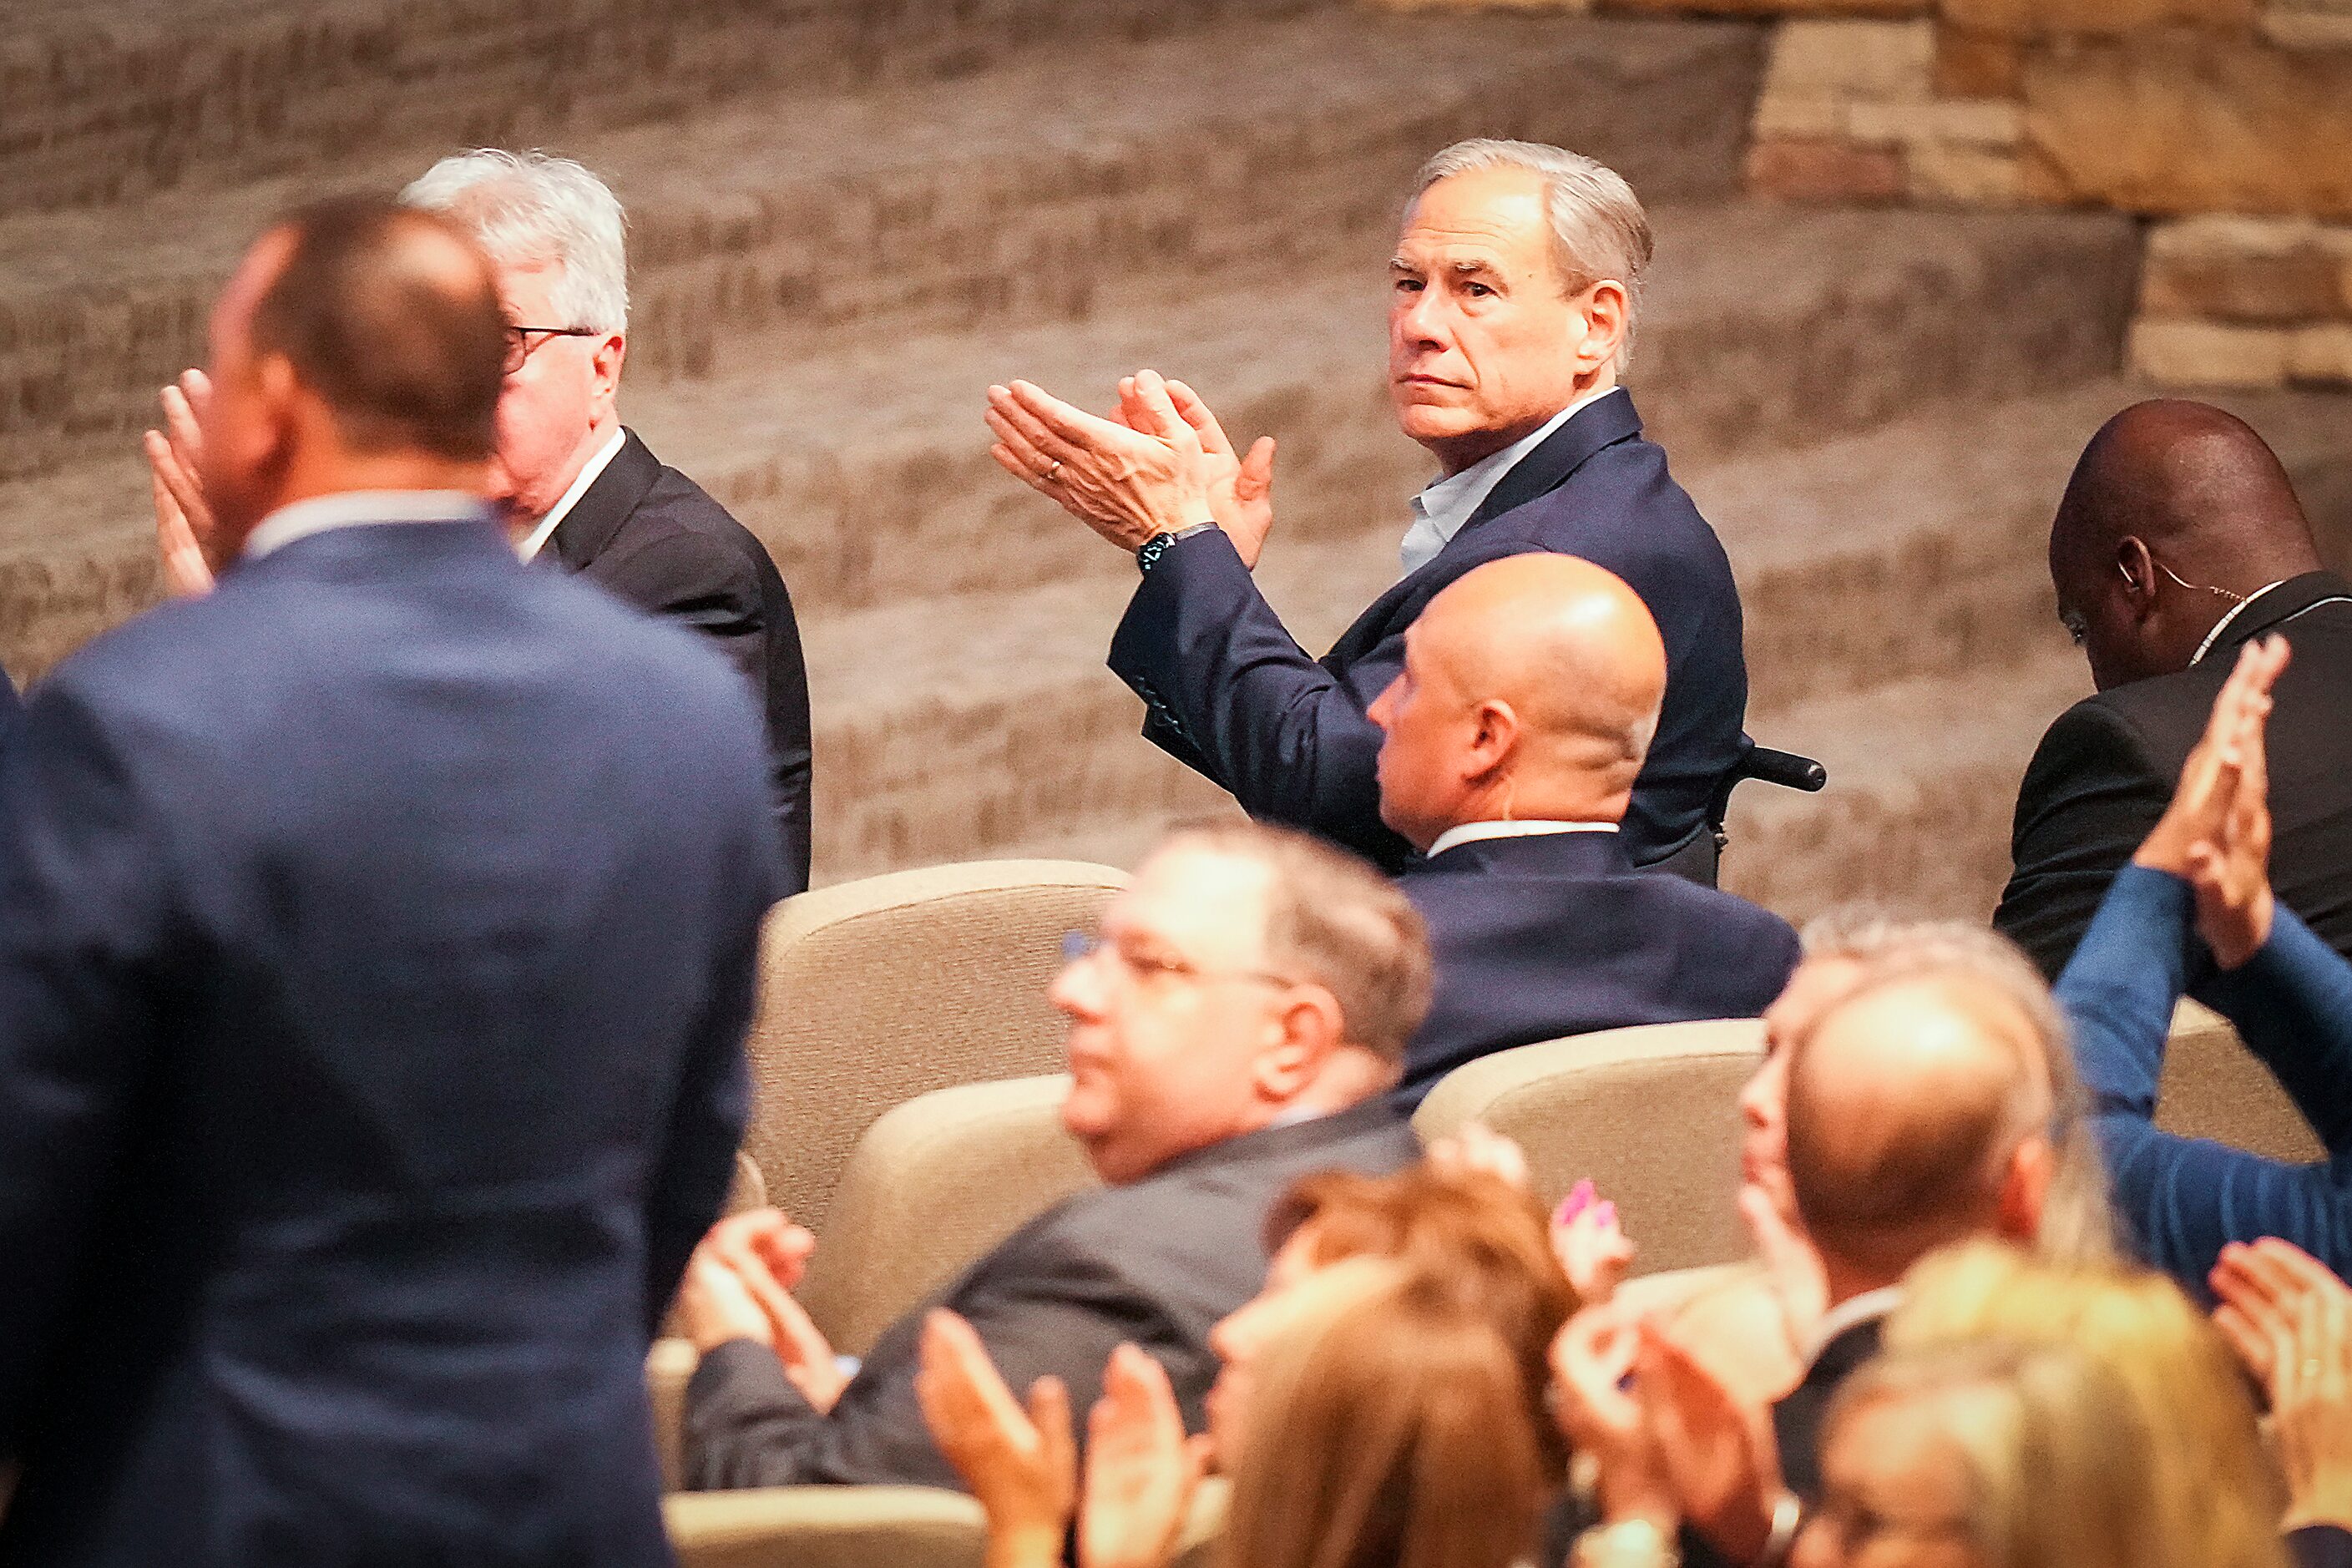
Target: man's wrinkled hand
[(187, 540), (1127, 485), (1240, 488)]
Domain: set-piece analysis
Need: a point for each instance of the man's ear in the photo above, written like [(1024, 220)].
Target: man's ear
[(1604, 316), (609, 354), (1494, 738), (1308, 1029), (284, 404), (2026, 1189), (2136, 565)]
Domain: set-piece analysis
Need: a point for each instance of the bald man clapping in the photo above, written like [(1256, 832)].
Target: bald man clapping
[(1511, 740)]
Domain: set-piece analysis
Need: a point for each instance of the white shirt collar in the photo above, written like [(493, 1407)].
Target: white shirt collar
[(1442, 508), (2222, 625), (1851, 1312), (1468, 832), (352, 508), (588, 474)]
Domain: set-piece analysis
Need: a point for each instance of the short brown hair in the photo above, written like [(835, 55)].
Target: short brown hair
[(1333, 919), (405, 361), (1481, 1233), (1388, 1433)]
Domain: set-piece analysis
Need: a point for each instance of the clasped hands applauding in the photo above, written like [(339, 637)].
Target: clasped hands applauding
[(1160, 463)]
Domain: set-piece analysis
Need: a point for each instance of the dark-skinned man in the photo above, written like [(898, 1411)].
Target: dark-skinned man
[(2180, 540)]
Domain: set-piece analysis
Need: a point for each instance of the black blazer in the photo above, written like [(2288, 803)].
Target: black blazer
[(1536, 938), (1232, 695), (371, 1007), (1157, 1262), (1797, 1423), (651, 536), (2106, 769)]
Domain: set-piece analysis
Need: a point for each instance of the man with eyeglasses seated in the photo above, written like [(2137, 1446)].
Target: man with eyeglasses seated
[(2181, 540), (1238, 1026), (579, 491)]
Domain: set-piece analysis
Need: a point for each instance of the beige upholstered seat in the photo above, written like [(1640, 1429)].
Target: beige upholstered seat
[(877, 991), (934, 1184), (1650, 1114), (2214, 1087), (827, 1527), (669, 1365)]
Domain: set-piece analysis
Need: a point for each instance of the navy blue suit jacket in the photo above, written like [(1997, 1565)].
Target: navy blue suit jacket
[(1231, 694), (377, 939), (2185, 1198), (1536, 938)]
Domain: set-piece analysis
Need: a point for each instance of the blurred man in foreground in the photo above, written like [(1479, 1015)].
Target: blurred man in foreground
[(1511, 739), (1238, 1026), (1516, 283), (580, 491), (344, 1176)]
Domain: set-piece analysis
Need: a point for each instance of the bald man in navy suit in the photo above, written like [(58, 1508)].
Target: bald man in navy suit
[(1511, 740)]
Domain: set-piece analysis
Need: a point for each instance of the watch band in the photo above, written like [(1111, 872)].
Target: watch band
[(1631, 1543), (1160, 544)]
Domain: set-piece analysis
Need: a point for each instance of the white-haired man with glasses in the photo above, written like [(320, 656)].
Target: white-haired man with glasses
[(578, 490), (1236, 1024)]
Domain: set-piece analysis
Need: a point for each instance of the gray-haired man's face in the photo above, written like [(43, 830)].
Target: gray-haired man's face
[(558, 405)]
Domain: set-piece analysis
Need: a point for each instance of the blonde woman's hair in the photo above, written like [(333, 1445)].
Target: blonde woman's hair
[(1388, 1432), (2217, 1493), (2053, 1451)]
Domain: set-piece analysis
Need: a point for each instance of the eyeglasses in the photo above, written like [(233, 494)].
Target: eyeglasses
[(1079, 946), (520, 345)]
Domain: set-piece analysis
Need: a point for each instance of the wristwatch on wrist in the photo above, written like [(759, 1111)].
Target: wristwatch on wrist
[(1160, 544), (1629, 1543), (1788, 1518)]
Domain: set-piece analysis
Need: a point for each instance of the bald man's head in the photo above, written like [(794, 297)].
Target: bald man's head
[(355, 332), (2176, 511), (1530, 690), (1919, 1112)]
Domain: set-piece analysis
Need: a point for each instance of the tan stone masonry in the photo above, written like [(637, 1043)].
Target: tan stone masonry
[(2226, 123)]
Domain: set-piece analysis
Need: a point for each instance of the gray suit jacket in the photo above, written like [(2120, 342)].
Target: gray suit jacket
[(1157, 1263)]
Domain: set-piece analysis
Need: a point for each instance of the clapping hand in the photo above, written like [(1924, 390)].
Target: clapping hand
[(185, 536), (1716, 1449), (2216, 835), (1605, 1425), (1141, 1470), (1240, 488), (1475, 1147), (1020, 1463), (1127, 484), (738, 1286), (1593, 1249), (2290, 1320)]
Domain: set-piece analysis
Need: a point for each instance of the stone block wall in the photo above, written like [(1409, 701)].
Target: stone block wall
[(2225, 124)]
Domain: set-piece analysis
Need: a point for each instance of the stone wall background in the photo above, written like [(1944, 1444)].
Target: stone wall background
[(2178, 111), (849, 217)]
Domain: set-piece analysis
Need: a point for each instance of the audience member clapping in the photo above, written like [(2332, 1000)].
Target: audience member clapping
[(1238, 1025), (2216, 1492), (2290, 1321), (2202, 879), (1380, 1402)]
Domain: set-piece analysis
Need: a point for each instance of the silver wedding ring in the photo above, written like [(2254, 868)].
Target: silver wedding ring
[(1052, 472)]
